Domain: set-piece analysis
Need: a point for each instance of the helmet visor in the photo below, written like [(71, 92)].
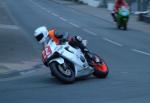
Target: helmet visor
[(39, 37)]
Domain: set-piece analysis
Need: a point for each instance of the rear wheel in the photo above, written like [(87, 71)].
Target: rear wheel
[(100, 68), (63, 72)]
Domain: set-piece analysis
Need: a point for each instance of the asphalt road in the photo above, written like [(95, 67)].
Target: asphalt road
[(126, 52)]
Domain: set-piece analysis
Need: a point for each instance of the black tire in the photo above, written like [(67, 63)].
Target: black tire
[(118, 25), (100, 73), (125, 25), (64, 78)]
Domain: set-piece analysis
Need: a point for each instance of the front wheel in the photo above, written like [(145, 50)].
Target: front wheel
[(125, 26), (125, 23), (118, 24), (63, 72), (100, 68)]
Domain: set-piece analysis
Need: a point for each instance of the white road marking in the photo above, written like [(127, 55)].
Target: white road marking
[(63, 19), (142, 52), (45, 9), (49, 11), (35, 3), (112, 42), (124, 72), (54, 14), (3, 26), (75, 25), (90, 32), (40, 6), (27, 72)]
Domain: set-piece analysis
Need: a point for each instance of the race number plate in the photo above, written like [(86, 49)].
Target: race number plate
[(46, 53)]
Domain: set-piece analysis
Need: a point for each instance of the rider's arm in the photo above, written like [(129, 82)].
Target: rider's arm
[(125, 3), (116, 6)]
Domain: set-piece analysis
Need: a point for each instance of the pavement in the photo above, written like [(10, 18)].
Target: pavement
[(15, 47), (5, 19), (104, 14)]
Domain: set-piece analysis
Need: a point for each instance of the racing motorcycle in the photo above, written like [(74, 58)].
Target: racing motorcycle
[(123, 17), (68, 63)]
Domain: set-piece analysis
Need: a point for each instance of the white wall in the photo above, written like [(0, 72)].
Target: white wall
[(94, 3)]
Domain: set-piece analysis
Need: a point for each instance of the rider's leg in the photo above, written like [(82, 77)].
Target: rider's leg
[(114, 17), (77, 41)]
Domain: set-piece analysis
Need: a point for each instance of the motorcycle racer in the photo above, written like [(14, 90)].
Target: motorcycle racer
[(42, 34), (118, 4), (67, 56)]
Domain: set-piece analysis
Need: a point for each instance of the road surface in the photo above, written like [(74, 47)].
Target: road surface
[(126, 52)]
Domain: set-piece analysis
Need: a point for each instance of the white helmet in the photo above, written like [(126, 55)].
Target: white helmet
[(41, 34)]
